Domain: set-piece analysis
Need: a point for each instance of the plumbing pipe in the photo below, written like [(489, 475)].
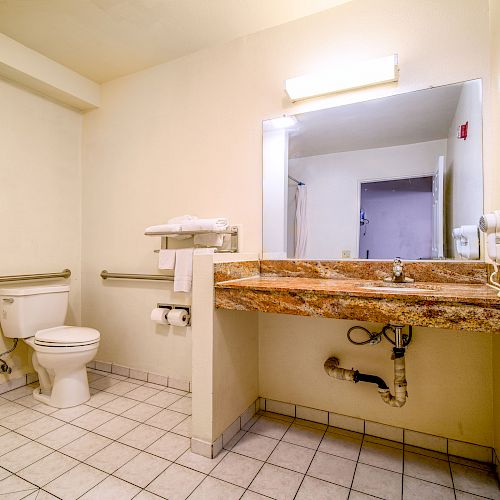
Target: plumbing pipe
[(333, 369)]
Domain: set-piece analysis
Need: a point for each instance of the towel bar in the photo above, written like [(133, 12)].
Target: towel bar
[(154, 277), (65, 273)]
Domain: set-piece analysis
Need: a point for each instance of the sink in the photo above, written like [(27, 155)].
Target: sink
[(402, 288)]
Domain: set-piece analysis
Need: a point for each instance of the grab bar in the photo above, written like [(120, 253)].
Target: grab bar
[(65, 273), (157, 277)]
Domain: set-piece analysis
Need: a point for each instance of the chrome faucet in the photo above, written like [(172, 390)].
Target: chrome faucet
[(398, 273)]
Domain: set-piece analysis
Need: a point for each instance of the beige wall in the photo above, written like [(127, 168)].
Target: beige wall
[(185, 137), (40, 195), (494, 144)]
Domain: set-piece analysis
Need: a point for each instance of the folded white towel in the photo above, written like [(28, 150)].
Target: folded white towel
[(163, 228), (183, 276), (166, 259), (215, 224), (209, 240)]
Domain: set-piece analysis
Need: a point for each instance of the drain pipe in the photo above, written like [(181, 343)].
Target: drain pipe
[(333, 369)]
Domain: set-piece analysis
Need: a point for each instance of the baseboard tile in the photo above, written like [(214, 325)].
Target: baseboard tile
[(396, 434), (15, 383), (154, 378)]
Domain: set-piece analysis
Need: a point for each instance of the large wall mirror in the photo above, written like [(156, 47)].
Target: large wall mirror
[(399, 176)]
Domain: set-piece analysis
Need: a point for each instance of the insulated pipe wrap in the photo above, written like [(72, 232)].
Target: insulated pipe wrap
[(332, 369)]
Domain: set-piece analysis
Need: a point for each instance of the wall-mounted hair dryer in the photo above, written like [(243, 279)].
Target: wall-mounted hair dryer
[(490, 224)]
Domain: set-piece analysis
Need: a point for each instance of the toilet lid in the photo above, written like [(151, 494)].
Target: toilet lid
[(64, 336)]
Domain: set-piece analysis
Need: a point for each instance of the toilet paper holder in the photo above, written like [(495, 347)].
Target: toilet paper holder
[(177, 306)]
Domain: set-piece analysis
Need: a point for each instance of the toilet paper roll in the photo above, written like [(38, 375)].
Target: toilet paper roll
[(159, 315), (178, 317)]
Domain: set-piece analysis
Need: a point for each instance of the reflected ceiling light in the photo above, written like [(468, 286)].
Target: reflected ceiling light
[(344, 77), (283, 122)]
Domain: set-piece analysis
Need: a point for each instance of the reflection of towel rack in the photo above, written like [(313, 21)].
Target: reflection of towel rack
[(231, 230)]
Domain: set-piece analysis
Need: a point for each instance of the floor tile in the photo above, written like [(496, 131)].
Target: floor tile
[(69, 414), (28, 401), (112, 457), (25, 390), (475, 481), (85, 446), (112, 488), (166, 419), (116, 427), (48, 468), (198, 462), (163, 399), (23, 456), (141, 412), (317, 489), (237, 469), (184, 428), (14, 487), (18, 419), (384, 457), (385, 442), (74, 483), (251, 495), (92, 376), (471, 463), (104, 383), (8, 409), (214, 489), (428, 453), (119, 405), (122, 388), (142, 469), (45, 409), (332, 468), (291, 456), (303, 436), (255, 446), (39, 427), (378, 482), (269, 427), (100, 398), (93, 419), (10, 441), (146, 495), (4, 473), (428, 469), (276, 482), (183, 405), (176, 483), (356, 495), (60, 437), (142, 436), (342, 446), (142, 393), (170, 446), (416, 489)]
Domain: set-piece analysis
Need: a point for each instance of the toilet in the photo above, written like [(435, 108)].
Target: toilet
[(36, 315)]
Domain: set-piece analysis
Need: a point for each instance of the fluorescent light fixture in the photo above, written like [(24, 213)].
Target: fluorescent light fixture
[(283, 122), (344, 77)]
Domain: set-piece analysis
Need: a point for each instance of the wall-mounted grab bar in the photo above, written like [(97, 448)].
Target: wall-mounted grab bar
[(156, 277), (65, 273)]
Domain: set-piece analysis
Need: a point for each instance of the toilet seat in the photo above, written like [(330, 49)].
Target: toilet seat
[(66, 336)]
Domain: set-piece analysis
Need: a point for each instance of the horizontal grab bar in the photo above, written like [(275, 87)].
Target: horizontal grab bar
[(65, 273), (156, 277)]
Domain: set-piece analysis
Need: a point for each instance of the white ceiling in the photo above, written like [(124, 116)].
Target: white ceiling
[(105, 39), (408, 118)]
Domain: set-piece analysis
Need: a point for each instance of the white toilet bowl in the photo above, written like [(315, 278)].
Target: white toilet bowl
[(60, 356), (60, 353)]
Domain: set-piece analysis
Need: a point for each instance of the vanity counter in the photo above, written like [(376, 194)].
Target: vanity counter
[(461, 306)]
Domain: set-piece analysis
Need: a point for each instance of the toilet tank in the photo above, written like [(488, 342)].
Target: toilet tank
[(25, 310)]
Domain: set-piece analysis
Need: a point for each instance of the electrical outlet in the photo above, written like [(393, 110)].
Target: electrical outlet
[(346, 254)]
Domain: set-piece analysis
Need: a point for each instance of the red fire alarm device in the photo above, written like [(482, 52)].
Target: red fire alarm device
[(462, 131)]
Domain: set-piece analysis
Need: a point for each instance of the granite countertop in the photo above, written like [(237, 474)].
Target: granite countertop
[(462, 303), (437, 292)]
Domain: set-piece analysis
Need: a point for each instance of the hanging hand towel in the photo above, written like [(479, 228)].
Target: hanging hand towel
[(166, 259), (183, 276)]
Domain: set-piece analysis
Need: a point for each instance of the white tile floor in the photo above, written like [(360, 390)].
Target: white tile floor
[(131, 440)]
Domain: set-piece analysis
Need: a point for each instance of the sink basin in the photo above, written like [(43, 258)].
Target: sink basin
[(394, 288)]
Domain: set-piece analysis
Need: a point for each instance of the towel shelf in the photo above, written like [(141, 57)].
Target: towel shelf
[(126, 276), (228, 247), (65, 273)]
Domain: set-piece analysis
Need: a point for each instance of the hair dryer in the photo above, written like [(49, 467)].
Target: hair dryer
[(490, 224)]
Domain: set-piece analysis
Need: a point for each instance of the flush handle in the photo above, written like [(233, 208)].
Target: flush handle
[(9, 300)]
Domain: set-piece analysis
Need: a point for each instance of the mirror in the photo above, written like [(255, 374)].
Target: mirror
[(399, 176)]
